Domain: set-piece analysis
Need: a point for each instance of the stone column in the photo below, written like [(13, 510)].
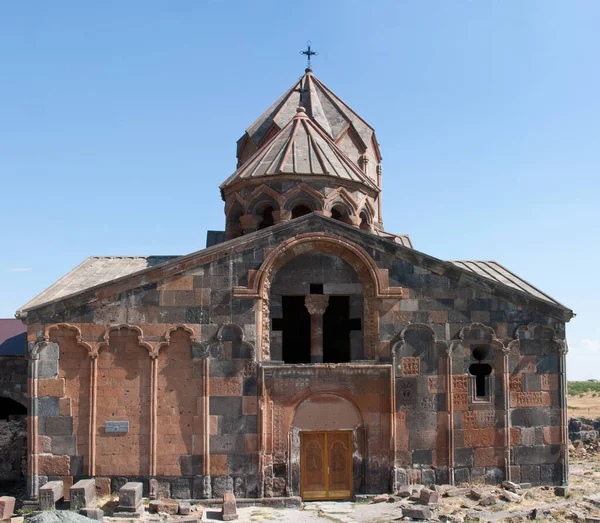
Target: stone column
[(281, 216), (316, 305)]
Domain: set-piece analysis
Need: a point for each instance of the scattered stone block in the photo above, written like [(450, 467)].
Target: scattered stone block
[(429, 497), (229, 510), (185, 508), (476, 494), (417, 512), (594, 500), (163, 507), (50, 493), (525, 485), (83, 494), (382, 498), (93, 513), (130, 497), (488, 501), (510, 485), (455, 492), (7, 507), (405, 491), (562, 491), (511, 496), (19, 519)]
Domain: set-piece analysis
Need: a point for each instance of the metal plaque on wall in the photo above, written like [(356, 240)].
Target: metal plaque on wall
[(116, 426)]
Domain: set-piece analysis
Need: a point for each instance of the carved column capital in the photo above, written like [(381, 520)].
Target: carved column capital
[(316, 303), (282, 216)]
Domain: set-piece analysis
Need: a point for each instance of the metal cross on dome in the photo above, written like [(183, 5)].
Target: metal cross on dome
[(308, 53)]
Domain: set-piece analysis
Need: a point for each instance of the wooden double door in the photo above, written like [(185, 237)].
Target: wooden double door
[(326, 465)]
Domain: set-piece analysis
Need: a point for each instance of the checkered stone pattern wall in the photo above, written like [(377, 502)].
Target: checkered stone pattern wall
[(195, 298)]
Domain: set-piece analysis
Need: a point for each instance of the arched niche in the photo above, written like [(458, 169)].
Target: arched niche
[(328, 412), (324, 412), (343, 320)]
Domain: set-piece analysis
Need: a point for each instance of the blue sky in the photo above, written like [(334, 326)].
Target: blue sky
[(119, 121)]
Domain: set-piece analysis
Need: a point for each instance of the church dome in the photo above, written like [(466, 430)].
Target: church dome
[(309, 152)]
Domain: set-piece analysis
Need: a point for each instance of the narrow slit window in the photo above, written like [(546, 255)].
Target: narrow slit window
[(481, 371)]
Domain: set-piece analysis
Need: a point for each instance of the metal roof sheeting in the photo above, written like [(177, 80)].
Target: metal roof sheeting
[(494, 271)]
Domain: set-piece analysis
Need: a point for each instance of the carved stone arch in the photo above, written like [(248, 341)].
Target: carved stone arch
[(235, 199), (405, 347), (528, 331), (91, 347), (234, 333), (266, 193), (487, 334), (303, 194), (152, 350), (341, 194), (174, 328), (374, 281), (535, 332), (58, 326)]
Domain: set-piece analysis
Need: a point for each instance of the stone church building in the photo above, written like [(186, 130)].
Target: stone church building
[(305, 351)]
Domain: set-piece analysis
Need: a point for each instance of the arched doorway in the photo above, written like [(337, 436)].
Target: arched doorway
[(327, 426)]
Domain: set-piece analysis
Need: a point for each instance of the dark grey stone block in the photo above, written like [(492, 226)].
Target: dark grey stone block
[(239, 464), (527, 417), (551, 474), (252, 486), (63, 445), (494, 475), (422, 457), (478, 474), (59, 426), (225, 405), (76, 466), (220, 485), (530, 474), (442, 476), (181, 488), (227, 444), (202, 488), (463, 457), (159, 488), (538, 455), (428, 477), (250, 386), (47, 407)]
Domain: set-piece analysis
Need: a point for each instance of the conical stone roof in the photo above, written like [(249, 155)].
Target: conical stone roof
[(301, 148), (321, 105)]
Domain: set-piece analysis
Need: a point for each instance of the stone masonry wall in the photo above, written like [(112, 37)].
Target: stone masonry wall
[(139, 373)]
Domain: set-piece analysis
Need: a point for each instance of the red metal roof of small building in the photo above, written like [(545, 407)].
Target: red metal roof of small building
[(12, 337)]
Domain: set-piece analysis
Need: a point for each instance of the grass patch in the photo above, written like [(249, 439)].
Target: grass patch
[(574, 388)]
